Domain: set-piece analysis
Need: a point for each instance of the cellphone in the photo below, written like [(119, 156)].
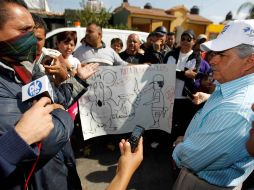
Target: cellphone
[(135, 136), (188, 93)]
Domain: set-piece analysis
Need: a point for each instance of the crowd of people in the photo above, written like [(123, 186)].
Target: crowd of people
[(212, 132), (35, 135)]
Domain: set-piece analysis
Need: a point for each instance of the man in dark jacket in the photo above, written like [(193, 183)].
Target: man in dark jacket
[(53, 154), (34, 126), (156, 53), (187, 65), (132, 53)]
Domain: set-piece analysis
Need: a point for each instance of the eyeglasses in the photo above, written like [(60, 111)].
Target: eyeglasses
[(185, 38)]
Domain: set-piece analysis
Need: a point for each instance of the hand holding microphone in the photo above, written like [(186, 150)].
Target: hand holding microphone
[(36, 123)]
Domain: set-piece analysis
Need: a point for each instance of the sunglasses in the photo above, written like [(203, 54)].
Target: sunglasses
[(185, 38)]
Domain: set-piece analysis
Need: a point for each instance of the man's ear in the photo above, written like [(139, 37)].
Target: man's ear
[(250, 62), (100, 34)]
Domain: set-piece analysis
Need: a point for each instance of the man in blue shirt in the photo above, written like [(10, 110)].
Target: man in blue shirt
[(213, 153)]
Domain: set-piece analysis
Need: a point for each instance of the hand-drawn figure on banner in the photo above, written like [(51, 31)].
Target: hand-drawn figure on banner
[(103, 107), (157, 102), (125, 105), (121, 97)]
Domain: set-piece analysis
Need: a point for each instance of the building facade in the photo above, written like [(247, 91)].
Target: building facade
[(146, 19), (143, 19)]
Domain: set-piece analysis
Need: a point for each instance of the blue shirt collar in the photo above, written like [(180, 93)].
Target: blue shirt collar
[(229, 87)]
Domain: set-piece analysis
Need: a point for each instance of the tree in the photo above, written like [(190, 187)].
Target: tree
[(250, 7), (87, 15)]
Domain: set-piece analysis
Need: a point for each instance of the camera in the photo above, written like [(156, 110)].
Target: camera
[(135, 136)]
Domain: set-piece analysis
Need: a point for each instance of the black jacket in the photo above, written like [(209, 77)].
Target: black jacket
[(155, 57), (189, 83), (134, 59)]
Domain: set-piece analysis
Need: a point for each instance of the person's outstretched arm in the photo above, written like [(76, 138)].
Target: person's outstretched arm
[(127, 165)]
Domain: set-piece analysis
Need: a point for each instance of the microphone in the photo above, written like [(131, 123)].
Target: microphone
[(37, 88)]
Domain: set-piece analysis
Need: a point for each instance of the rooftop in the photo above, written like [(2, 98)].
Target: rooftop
[(143, 11)]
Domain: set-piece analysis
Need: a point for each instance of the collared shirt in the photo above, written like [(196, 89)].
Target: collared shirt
[(8, 68), (105, 56), (214, 143)]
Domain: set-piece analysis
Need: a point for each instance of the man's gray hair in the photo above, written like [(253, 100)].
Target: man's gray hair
[(244, 50)]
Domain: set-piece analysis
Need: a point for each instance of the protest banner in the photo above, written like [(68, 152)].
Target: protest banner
[(121, 97)]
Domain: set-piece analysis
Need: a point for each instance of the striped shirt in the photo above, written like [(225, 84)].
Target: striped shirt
[(214, 143)]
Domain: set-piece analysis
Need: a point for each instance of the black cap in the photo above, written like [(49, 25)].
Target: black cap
[(170, 33), (189, 33), (161, 30), (151, 34), (201, 38)]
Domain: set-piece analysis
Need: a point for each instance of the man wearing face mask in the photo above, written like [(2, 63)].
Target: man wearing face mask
[(44, 165)]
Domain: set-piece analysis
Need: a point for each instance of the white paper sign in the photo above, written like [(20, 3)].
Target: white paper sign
[(121, 97)]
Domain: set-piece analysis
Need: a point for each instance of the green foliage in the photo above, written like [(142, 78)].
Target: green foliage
[(70, 17), (87, 15)]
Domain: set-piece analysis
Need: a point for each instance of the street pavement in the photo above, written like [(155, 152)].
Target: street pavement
[(97, 166), (97, 169)]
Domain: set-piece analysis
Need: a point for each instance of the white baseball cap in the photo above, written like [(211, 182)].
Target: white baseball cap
[(235, 33)]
